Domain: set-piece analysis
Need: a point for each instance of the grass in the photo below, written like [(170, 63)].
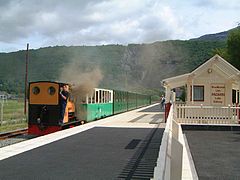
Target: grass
[(13, 115), (12, 127)]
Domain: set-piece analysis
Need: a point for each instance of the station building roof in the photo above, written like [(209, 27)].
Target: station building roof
[(216, 63)]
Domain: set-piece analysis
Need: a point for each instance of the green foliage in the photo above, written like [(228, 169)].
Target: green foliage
[(155, 98), (233, 47), (183, 95), (133, 67), (231, 51), (221, 52)]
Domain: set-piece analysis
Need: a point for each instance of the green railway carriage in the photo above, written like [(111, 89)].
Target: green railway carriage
[(120, 101), (105, 102), (143, 100), (97, 106), (132, 101), (125, 101)]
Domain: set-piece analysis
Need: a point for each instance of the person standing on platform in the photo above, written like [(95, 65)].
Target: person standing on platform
[(163, 102)]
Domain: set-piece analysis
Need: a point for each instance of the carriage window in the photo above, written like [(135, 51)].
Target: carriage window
[(100, 96), (116, 95), (96, 96), (36, 90), (107, 96), (103, 96), (51, 90), (93, 98)]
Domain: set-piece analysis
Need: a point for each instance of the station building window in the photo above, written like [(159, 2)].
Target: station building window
[(198, 93)]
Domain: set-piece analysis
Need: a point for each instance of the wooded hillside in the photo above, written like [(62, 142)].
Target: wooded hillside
[(131, 67)]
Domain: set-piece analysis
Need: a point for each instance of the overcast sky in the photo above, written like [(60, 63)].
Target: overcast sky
[(95, 22)]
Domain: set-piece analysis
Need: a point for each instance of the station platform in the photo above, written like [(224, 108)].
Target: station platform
[(124, 146), (214, 150)]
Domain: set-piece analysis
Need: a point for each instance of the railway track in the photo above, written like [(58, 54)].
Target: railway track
[(11, 134), (13, 137)]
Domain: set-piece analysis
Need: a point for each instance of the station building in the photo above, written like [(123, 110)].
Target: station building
[(213, 87)]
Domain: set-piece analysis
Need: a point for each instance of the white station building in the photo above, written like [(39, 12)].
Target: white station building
[(213, 87)]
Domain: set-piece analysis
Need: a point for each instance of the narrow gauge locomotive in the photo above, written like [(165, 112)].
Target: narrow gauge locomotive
[(44, 106)]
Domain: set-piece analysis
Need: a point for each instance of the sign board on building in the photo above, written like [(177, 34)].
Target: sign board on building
[(218, 94)]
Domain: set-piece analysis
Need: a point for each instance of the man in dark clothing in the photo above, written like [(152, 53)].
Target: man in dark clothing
[(64, 94), (162, 102)]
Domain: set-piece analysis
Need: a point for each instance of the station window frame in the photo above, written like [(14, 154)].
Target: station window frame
[(200, 94)]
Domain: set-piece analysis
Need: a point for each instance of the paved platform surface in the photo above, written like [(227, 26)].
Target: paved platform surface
[(215, 153), (118, 147)]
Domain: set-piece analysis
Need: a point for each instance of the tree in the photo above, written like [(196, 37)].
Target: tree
[(233, 47), (223, 52)]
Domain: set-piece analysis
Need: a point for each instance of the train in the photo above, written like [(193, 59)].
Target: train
[(44, 108)]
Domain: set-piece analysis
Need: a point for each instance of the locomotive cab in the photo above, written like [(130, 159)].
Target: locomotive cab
[(44, 109)]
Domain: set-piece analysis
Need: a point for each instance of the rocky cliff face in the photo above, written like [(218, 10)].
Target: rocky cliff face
[(147, 65)]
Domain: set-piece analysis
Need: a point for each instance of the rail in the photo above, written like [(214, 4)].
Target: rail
[(9, 134), (206, 114)]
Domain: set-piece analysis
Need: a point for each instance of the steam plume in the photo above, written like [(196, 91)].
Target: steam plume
[(82, 82)]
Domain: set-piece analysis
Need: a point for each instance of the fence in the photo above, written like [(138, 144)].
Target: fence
[(11, 112), (169, 162), (206, 114), (1, 112)]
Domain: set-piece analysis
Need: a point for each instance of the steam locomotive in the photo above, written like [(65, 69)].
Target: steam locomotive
[(44, 106)]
